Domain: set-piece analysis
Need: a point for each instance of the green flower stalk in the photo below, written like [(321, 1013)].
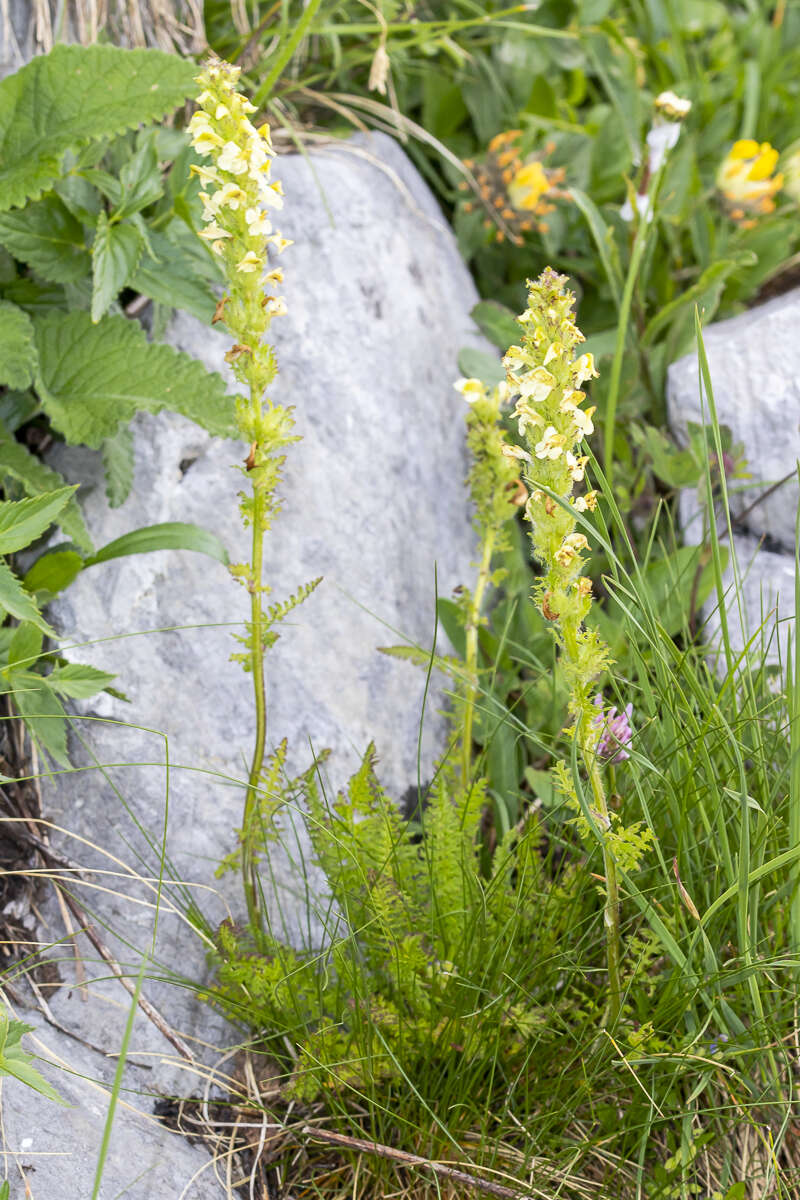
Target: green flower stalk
[(496, 491), (546, 375), (237, 194)]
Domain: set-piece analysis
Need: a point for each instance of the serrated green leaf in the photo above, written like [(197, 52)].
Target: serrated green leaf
[(497, 322), (47, 237), (16, 408), (17, 351), (23, 521), (37, 479), (16, 601), (77, 94), (93, 378), (52, 572), (118, 462), (140, 179), (34, 296), (115, 254), (25, 646), (172, 535), (78, 681), (171, 279)]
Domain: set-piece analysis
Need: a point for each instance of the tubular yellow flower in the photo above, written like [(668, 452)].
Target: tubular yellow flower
[(746, 182)]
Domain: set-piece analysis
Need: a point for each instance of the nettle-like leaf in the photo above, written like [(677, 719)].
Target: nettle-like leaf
[(47, 237), (19, 603), (77, 94), (17, 351), (92, 379), (115, 253), (23, 521), (37, 479)]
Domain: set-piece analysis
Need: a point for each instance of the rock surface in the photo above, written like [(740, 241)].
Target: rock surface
[(754, 364), (379, 304), (53, 1151)]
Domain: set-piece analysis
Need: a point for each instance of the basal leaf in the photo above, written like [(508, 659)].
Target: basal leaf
[(115, 253), (477, 364), (23, 521), (36, 478), (51, 573), (77, 94), (171, 535), (47, 237), (497, 322), (93, 378), (17, 351), (16, 601)]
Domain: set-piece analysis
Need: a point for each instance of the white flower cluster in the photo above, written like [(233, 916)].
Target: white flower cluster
[(236, 187)]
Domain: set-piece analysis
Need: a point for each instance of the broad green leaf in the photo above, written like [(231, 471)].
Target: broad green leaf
[(43, 713), (172, 535), (118, 464), (17, 351), (16, 408), (25, 646), (78, 681), (77, 94), (47, 237), (171, 278), (37, 479), (51, 573), (94, 378), (22, 1070), (140, 179), (23, 521), (115, 253), (497, 322), (35, 296), (477, 364), (16, 601)]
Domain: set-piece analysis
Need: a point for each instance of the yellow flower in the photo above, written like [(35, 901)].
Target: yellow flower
[(551, 445), (526, 416), (213, 231), (258, 223), (583, 421), (232, 159), (746, 181), (250, 262), (536, 385), (587, 503), (515, 452), (583, 368), (528, 186), (576, 465), (471, 389)]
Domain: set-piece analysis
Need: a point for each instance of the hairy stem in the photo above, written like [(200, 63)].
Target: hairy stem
[(471, 658), (249, 876), (611, 913)]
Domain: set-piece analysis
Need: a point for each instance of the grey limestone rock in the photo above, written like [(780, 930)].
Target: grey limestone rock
[(754, 364), (375, 502), (52, 1151)]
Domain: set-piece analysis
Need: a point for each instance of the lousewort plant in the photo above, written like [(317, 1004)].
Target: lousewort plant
[(237, 192), (545, 375)]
